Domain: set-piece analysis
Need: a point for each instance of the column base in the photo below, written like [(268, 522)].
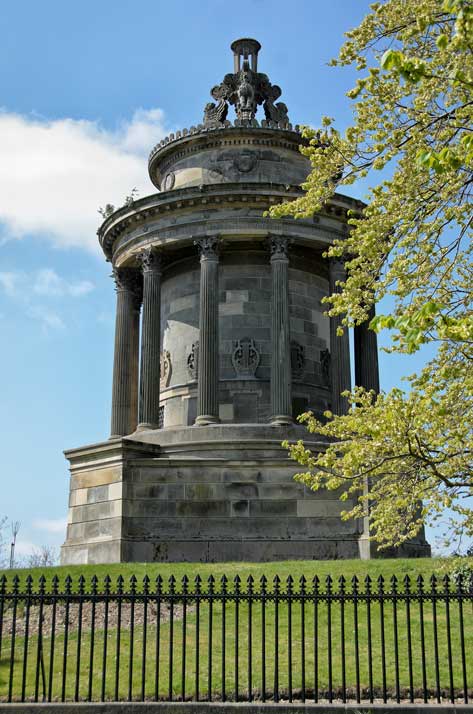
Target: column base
[(205, 419), (281, 419), (146, 427)]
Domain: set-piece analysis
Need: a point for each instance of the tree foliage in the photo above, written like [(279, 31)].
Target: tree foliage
[(413, 110)]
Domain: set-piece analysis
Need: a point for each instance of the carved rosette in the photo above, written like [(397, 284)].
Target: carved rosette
[(150, 260), (208, 247), (129, 280), (165, 369), (245, 357), (193, 361), (297, 360)]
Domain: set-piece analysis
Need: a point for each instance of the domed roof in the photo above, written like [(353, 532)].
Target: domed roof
[(219, 151)]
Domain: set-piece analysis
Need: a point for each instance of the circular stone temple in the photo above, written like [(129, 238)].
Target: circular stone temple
[(221, 342)]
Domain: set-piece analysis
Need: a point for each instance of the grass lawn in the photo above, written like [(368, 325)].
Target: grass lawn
[(280, 656)]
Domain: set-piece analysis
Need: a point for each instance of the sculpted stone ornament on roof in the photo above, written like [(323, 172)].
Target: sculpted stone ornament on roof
[(245, 89)]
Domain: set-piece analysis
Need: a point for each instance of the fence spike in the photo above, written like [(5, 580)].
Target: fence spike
[(159, 584), (172, 584), (433, 581), (420, 583), (328, 583), (29, 584), (224, 583), (393, 581), (107, 581), (355, 584), (446, 582), (302, 584), (315, 583), (198, 583), (68, 584), (94, 583), (407, 583), (120, 582), (263, 583), (146, 582), (289, 583), (3, 583), (42, 584), (211, 583), (55, 584), (380, 582), (16, 583), (341, 583), (249, 583)]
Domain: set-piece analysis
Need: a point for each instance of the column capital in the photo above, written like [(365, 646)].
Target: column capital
[(208, 247), (279, 247), (337, 267), (151, 260), (129, 280)]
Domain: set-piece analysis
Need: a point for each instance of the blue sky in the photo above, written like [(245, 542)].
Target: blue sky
[(86, 90)]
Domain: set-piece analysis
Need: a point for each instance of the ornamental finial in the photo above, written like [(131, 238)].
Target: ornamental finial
[(245, 89)]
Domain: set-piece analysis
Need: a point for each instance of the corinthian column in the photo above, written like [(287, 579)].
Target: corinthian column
[(281, 400), (208, 375), (125, 363), (150, 260), (366, 355), (339, 345)]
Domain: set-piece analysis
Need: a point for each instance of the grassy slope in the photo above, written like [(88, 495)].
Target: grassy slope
[(308, 568), (210, 636)]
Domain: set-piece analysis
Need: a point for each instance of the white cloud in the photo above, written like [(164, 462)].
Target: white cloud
[(51, 525), (47, 317), (48, 282), (55, 174), (25, 288)]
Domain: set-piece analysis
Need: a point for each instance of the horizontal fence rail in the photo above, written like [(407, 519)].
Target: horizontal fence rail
[(311, 642)]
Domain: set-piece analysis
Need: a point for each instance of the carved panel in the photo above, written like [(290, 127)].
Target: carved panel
[(245, 357), (297, 360), (325, 366), (193, 361), (165, 369)]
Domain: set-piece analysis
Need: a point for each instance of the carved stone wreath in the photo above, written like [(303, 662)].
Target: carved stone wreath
[(165, 369), (193, 361), (245, 357), (325, 366), (297, 360)]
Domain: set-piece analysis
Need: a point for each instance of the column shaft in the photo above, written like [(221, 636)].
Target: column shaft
[(339, 346), (366, 356), (125, 364), (150, 340), (208, 372), (281, 398)]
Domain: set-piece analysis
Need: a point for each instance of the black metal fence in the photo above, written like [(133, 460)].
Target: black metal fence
[(357, 641)]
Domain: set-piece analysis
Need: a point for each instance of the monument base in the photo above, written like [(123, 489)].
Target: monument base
[(204, 494)]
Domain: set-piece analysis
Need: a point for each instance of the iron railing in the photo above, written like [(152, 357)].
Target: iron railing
[(358, 641)]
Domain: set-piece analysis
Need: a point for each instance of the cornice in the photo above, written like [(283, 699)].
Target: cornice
[(130, 217)]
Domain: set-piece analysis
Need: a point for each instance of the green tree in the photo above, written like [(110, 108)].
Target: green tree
[(413, 110)]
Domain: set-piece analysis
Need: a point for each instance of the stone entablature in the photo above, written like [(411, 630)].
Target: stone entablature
[(163, 214)]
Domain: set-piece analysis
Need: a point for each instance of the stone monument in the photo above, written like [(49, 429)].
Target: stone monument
[(220, 342)]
